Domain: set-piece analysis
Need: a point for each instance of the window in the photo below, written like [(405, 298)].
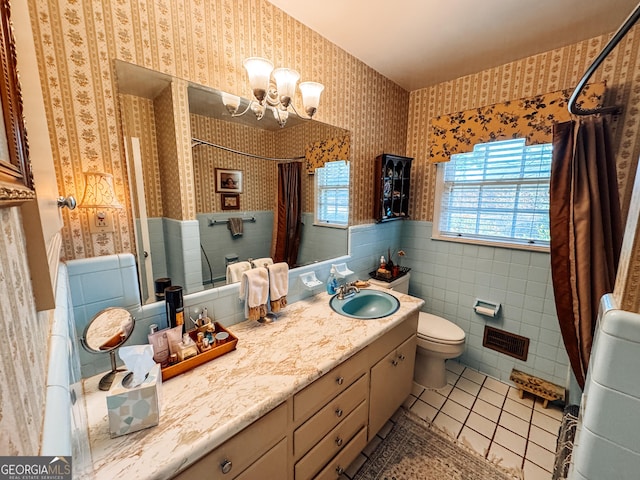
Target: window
[(498, 193), (332, 194)]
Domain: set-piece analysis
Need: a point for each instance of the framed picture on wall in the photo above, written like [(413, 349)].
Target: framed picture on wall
[(228, 181), (230, 201), (16, 181)]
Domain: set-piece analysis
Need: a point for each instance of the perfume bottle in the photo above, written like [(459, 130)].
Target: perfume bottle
[(160, 343), (187, 348)]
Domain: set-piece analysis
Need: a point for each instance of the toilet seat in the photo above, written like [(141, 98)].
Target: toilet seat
[(439, 330)]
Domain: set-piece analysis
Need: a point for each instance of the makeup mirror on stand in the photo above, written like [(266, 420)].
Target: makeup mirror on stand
[(105, 332)]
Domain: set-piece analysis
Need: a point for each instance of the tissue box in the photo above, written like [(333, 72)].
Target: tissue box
[(132, 409)]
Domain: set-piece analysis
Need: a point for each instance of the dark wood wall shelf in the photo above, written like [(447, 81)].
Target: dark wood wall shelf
[(392, 181)]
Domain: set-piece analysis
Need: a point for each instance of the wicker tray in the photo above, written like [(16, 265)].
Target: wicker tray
[(403, 271), (215, 352)]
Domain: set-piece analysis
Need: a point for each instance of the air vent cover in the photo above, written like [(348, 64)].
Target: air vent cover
[(506, 342)]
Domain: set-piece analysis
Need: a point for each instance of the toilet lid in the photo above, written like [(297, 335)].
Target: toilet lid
[(437, 329)]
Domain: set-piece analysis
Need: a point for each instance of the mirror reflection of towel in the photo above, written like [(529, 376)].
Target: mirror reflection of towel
[(262, 262), (235, 271), (235, 225)]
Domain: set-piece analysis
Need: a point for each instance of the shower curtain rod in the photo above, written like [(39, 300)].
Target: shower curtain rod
[(196, 141), (622, 31)]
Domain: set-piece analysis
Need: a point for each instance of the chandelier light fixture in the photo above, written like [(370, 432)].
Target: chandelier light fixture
[(274, 88)]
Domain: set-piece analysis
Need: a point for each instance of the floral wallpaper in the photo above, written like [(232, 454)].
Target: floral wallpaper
[(201, 42), (559, 69), (531, 118), (551, 71), (23, 357)]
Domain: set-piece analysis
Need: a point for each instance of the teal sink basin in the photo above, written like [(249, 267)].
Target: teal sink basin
[(366, 305)]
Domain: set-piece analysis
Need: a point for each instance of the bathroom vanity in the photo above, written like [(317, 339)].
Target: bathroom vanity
[(298, 399)]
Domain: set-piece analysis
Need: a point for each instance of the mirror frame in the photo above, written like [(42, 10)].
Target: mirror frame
[(122, 339), (16, 179)]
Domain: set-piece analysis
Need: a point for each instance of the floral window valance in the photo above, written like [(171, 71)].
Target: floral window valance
[(329, 150), (531, 118)]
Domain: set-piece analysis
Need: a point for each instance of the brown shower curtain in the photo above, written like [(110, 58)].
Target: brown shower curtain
[(288, 214), (586, 230)]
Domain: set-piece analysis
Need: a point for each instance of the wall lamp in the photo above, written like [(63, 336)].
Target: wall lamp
[(274, 88), (100, 195)]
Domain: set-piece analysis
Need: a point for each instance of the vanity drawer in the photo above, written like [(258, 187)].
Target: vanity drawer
[(310, 433), (272, 464), (241, 450), (332, 443), (309, 400), (341, 462)]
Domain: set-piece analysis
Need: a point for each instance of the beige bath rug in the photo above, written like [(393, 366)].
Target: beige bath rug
[(413, 450)]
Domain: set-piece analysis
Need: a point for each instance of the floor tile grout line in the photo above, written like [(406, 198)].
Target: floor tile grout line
[(455, 378)]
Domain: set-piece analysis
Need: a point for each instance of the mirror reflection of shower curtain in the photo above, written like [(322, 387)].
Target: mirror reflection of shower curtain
[(287, 219)]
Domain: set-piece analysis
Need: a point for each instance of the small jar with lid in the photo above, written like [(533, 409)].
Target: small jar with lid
[(187, 348)]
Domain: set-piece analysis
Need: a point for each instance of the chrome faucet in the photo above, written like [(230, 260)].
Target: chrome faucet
[(347, 290)]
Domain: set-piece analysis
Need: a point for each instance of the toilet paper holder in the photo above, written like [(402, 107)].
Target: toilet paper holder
[(486, 308)]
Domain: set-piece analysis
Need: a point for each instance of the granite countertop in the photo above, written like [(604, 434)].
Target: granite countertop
[(204, 407)]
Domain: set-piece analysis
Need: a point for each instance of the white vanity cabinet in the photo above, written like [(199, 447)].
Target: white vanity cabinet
[(320, 430), (391, 382), (258, 451), (300, 399), (328, 414), (327, 443)]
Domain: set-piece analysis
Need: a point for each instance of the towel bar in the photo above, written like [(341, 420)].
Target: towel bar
[(213, 222)]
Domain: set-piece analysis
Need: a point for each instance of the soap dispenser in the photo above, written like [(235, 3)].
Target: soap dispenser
[(332, 281)]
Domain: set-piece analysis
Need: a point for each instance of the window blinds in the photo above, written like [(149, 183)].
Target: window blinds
[(499, 191), (332, 194)]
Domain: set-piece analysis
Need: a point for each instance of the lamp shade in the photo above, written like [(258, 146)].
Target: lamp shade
[(231, 102), (99, 191), (311, 96), (286, 81), (259, 73)]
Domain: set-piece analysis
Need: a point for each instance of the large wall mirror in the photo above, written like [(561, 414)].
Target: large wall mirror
[(171, 126)]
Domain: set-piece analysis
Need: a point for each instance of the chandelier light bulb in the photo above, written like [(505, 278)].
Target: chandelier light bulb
[(286, 81), (311, 96), (231, 102), (275, 89), (259, 72)]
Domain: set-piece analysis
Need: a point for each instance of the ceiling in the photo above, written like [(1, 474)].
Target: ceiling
[(417, 43)]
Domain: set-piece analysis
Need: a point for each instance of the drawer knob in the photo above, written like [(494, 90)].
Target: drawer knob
[(225, 466), (338, 412), (339, 441), (401, 357), (394, 362), (339, 470), (340, 380)]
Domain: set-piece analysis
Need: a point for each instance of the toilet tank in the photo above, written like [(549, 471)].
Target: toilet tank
[(400, 285)]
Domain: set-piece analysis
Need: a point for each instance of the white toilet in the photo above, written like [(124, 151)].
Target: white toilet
[(438, 340)]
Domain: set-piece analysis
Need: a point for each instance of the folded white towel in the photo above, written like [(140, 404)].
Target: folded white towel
[(262, 262), (278, 285), (254, 290), (235, 271)]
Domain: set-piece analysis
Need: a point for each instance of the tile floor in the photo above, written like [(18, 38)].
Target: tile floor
[(490, 417)]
